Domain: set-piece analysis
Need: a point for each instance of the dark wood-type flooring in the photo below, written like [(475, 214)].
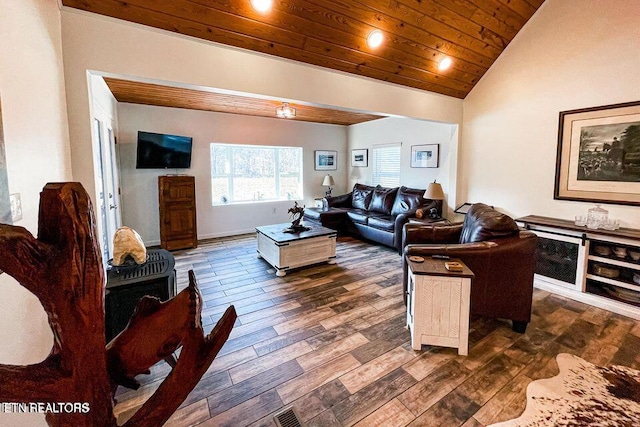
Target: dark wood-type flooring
[(330, 341)]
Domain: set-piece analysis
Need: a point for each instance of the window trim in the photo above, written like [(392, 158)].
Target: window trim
[(277, 174)]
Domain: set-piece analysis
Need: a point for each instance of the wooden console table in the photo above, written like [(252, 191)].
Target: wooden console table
[(595, 266), (438, 304)]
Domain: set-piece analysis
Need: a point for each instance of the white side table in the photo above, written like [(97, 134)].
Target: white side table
[(438, 304)]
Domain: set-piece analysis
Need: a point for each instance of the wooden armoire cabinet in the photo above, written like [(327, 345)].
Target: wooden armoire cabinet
[(177, 200)]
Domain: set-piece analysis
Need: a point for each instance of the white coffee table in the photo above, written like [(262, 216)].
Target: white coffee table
[(285, 251)]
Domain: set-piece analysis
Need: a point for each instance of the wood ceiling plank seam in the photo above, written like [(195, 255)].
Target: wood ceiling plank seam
[(432, 10), (535, 3), (390, 66), (433, 47), (209, 16), (461, 7), (490, 14), (432, 26), (520, 7), (405, 56), (501, 12), (502, 28), (485, 22)]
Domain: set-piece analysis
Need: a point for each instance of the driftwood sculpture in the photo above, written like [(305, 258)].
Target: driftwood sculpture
[(63, 268), (128, 243)]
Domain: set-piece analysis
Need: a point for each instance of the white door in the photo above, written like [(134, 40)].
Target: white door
[(107, 184)]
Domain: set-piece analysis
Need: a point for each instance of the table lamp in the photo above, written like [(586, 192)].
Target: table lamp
[(328, 182), (434, 191)]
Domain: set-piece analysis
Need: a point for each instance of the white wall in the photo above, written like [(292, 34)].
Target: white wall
[(140, 186), (92, 42), (37, 149), (569, 55), (409, 132)]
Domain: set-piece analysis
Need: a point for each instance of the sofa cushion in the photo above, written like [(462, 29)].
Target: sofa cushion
[(386, 222), (382, 199), (361, 196), (358, 216), (407, 199), (482, 223), (334, 214)]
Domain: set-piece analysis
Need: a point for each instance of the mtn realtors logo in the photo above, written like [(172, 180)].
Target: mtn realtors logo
[(45, 407)]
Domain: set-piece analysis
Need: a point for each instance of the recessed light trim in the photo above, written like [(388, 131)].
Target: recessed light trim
[(375, 39), (262, 6), (445, 63)]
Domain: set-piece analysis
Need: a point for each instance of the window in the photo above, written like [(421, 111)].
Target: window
[(247, 173), (386, 165)]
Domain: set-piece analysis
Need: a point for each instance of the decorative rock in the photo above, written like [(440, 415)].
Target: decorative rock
[(127, 242)]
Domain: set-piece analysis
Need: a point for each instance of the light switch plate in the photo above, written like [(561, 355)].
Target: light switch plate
[(16, 207)]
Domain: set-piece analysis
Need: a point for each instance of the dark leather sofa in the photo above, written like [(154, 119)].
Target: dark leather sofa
[(500, 255), (374, 213)]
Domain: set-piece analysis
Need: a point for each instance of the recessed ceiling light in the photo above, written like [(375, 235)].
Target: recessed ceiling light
[(375, 38), (445, 63), (261, 6)]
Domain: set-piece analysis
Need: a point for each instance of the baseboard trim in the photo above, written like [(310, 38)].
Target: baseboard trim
[(591, 299), (205, 237), (226, 234)]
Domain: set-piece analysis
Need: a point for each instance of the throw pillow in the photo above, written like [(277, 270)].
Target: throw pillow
[(382, 199), (361, 196)]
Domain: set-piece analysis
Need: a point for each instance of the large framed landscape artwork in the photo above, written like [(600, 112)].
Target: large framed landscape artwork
[(598, 157)]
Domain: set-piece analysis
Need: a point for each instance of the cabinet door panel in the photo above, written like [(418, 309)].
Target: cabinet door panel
[(177, 205)]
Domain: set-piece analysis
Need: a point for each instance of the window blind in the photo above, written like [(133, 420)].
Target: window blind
[(386, 165)]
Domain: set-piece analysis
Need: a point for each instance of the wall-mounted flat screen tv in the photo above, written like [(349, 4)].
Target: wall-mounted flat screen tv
[(160, 151)]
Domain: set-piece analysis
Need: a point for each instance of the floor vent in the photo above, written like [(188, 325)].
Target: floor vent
[(287, 418)]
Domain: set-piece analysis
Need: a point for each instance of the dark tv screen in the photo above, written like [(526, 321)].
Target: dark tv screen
[(160, 151)]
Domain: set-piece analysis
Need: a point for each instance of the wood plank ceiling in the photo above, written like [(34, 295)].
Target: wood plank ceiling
[(168, 96), (418, 34)]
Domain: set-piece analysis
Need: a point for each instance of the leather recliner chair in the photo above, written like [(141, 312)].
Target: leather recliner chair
[(501, 256)]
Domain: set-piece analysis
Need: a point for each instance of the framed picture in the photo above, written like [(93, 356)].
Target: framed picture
[(425, 156), (360, 158), (598, 157), (326, 160)]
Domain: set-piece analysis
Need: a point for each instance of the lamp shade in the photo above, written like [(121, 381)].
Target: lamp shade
[(328, 181), (434, 192)]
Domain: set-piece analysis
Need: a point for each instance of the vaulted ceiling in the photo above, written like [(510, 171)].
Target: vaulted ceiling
[(418, 34)]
